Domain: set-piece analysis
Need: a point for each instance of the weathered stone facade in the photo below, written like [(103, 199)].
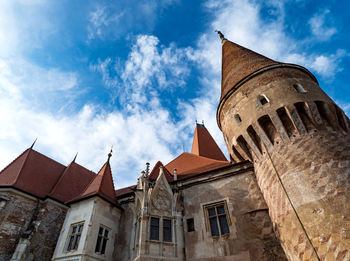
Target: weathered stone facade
[(29, 227), (299, 142)]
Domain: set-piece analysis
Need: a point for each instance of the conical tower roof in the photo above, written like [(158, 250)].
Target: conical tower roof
[(239, 62), (204, 145), (102, 185)]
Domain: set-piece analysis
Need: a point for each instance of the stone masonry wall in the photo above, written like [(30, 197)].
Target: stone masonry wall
[(251, 234), (27, 218)]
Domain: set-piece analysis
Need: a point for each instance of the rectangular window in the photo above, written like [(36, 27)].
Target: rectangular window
[(154, 228), (74, 236), (218, 220), (102, 239), (167, 230), (190, 224)]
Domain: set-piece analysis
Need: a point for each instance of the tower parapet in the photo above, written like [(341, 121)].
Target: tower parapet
[(277, 116)]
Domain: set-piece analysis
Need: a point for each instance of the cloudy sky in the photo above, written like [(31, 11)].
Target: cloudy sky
[(82, 76)]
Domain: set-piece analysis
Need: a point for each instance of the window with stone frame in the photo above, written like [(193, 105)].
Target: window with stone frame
[(218, 218), (167, 230), (161, 226), (74, 236), (102, 239), (154, 228)]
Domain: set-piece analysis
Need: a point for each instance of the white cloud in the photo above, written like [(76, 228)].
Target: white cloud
[(319, 28), (148, 69), (99, 20)]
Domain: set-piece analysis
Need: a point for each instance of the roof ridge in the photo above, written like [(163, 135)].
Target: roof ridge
[(8, 165), (25, 161)]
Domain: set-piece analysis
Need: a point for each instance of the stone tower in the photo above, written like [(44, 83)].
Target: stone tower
[(276, 115)]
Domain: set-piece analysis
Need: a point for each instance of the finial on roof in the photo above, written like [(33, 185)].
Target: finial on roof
[(203, 122), (110, 154), (147, 169), (75, 157), (222, 37), (33, 143), (196, 121)]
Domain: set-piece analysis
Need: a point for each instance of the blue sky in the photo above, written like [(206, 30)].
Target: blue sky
[(82, 76)]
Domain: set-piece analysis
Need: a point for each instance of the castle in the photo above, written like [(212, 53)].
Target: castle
[(284, 194)]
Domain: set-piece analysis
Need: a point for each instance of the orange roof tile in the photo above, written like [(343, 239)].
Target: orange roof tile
[(189, 163), (102, 185), (72, 182), (32, 172), (204, 144), (239, 62), (155, 172)]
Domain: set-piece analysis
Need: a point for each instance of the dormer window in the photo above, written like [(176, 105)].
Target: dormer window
[(262, 100), (299, 88)]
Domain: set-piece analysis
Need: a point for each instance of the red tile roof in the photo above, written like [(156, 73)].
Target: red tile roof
[(204, 144), (73, 181), (102, 185), (32, 172), (155, 172), (239, 62), (124, 191), (189, 163)]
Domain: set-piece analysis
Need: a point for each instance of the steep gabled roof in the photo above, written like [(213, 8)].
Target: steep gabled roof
[(237, 63), (204, 145), (101, 185), (32, 172), (73, 181), (155, 172)]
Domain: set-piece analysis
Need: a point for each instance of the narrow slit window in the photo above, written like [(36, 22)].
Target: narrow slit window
[(262, 100), (237, 118), (154, 235), (190, 224), (299, 88)]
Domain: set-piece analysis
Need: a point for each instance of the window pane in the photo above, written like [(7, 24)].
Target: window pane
[(167, 230), (76, 243), (214, 226), (98, 244), (74, 229), (69, 248), (221, 210), (103, 250), (154, 221), (223, 225), (154, 229), (211, 212), (106, 233), (190, 225), (80, 228), (100, 231)]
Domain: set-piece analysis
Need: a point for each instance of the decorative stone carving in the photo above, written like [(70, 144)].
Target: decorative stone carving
[(161, 200)]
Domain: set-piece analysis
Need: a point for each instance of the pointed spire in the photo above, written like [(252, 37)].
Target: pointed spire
[(238, 63), (75, 157), (222, 37), (31, 147), (110, 154), (204, 145)]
